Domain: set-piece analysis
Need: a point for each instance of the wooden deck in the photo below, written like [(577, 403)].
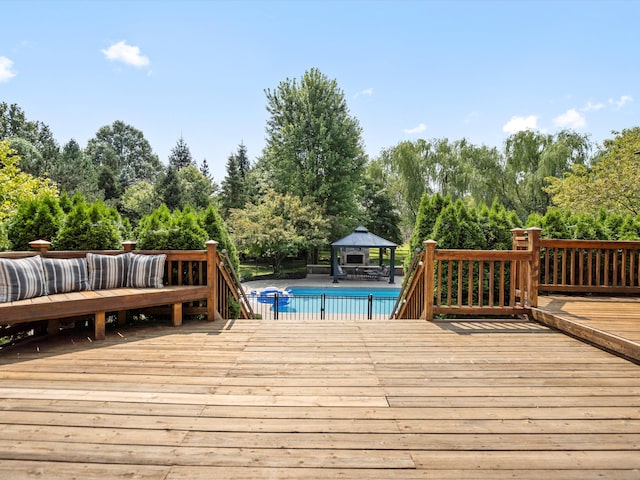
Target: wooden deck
[(609, 322), (311, 399)]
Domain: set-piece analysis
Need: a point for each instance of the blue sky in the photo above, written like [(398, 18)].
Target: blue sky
[(479, 70)]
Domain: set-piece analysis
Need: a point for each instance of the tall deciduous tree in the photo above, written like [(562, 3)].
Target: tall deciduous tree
[(612, 183), (314, 146), (235, 188), (33, 141), (124, 150), (180, 155)]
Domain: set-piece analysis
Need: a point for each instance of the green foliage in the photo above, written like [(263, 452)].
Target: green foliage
[(563, 224), (214, 225), (496, 224), (90, 227), (612, 183), (236, 187), (163, 230), (37, 219), (279, 226), (234, 308), (379, 214), (124, 151), (428, 212), (74, 172), (196, 189), (16, 186), (457, 227), (180, 155), (32, 140), (314, 147), (138, 200)]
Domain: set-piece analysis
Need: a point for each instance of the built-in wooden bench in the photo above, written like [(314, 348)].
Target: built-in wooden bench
[(195, 281), (98, 303)]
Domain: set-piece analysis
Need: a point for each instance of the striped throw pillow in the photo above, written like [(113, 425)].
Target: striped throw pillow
[(107, 271), (21, 278), (65, 274), (146, 271)]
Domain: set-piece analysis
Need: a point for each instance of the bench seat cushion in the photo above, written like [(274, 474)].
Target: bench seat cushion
[(146, 271), (107, 271), (21, 278), (65, 275)]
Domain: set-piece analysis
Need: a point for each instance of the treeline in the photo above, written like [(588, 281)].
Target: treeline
[(313, 182)]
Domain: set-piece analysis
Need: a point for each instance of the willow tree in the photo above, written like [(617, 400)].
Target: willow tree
[(314, 147)]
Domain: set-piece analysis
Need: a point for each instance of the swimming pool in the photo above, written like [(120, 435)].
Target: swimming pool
[(330, 302)]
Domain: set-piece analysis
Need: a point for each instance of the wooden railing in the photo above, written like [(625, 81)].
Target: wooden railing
[(507, 282), (472, 282), (246, 311), (589, 266), (182, 267), (201, 267)]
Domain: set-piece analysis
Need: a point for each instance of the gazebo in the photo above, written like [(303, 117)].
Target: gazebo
[(359, 239)]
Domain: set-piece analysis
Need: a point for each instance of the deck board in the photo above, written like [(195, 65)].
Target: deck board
[(320, 400), (612, 323)]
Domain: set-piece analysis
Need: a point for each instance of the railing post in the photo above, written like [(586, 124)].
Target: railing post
[(212, 280), (515, 234), (429, 269), (128, 245), (40, 246), (533, 238)]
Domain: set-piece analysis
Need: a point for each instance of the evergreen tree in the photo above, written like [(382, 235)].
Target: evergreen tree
[(216, 229), (107, 183), (428, 212), (37, 219), (169, 190), (180, 156), (163, 230), (74, 172), (90, 227), (204, 169), (235, 186)]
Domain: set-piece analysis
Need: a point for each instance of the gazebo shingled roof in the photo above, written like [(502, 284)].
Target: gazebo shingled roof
[(363, 238)]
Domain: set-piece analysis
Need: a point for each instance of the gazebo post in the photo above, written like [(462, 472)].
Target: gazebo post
[(392, 267), (334, 260)]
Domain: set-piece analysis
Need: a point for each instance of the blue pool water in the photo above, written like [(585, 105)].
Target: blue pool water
[(345, 291), (340, 300)]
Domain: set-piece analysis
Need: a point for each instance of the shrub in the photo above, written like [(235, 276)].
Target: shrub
[(37, 219), (89, 227)]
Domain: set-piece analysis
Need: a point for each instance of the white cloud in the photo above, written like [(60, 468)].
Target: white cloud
[(419, 129), (518, 124), (6, 73), (367, 92), (129, 54), (621, 102), (593, 106), (571, 118)]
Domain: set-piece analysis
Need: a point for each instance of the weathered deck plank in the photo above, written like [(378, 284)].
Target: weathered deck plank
[(320, 400), (612, 323)]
